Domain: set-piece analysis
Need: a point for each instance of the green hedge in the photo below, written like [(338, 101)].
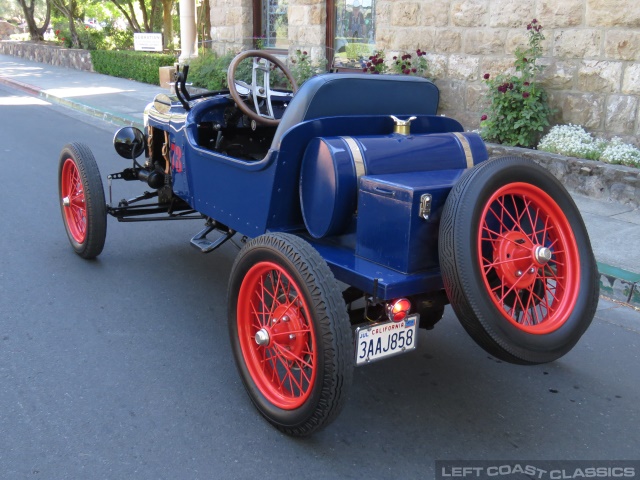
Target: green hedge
[(140, 66), (209, 70)]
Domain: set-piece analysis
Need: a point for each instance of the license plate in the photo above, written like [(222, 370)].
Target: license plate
[(381, 340)]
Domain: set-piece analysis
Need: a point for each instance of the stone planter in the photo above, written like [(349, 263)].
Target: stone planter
[(615, 183), (49, 54)]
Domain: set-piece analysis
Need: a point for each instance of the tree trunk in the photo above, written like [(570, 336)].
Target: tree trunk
[(154, 15), (47, 18), (167, 23), (75, 39), (145, 16), (35, 33), (204, 21), (133, 23), (130, 15), (69, 12)]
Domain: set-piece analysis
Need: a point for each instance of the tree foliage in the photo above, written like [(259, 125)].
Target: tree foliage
[(11, 9), (140, 15), (148, 9), (151, 12)]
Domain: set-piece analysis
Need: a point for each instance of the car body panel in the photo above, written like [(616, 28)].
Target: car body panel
[(380, 244)]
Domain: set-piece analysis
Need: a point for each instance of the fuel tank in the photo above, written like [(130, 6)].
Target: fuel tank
[(332, 166)]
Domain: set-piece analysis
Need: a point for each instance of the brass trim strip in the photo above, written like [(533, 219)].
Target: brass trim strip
[(466, 147), (356, 154)]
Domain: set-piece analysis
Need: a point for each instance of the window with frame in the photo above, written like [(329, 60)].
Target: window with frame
[(271, 24), (353, 32)]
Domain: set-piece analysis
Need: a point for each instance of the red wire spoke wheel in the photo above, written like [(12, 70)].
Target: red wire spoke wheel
[(290, 333), (75, 210), (82, 200), (276, 338), (529, 258), (516, 261)]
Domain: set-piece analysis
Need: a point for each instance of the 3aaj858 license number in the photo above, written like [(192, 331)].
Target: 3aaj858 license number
[(381, 340)]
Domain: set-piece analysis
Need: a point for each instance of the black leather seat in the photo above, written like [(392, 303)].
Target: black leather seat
[(338, 94)]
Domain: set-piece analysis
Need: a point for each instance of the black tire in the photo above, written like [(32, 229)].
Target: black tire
[(516, 261), (82, 203), (298, 381)]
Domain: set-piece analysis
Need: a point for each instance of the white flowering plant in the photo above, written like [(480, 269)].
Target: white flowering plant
[(575, 141), (572, 141), (622, 153)]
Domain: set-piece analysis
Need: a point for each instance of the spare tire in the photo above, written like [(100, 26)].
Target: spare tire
[(516, 261)]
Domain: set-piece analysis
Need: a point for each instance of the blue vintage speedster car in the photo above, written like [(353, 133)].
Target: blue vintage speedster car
[(362, 214)]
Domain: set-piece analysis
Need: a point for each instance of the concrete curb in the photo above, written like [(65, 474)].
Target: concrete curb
[(620, 285)]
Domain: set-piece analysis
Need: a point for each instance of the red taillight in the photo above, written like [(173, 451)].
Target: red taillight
[(397, 310)]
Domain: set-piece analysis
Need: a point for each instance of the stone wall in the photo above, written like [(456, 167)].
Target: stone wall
[(50, 54), (231, 25), (592, 49), (613, 183), (592, 54), (307, 27)]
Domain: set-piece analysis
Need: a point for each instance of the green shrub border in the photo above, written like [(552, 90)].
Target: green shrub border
[(139, 66)]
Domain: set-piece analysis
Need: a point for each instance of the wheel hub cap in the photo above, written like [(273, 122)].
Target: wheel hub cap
[(286, 330), (518, 259), (513, 259), (542, 255), (262, 337)]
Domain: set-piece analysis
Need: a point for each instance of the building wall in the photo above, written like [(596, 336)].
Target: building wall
[(231, 25), (592, 49), (307, 26)]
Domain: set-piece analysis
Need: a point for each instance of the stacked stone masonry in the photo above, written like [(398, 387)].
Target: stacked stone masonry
[(50, 54), (592, 50)]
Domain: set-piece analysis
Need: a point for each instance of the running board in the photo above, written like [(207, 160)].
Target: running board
[(202, 243)]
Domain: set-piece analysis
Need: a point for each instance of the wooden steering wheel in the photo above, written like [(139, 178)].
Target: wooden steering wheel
[(260, 93)]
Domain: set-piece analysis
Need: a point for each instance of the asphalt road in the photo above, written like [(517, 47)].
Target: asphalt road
[(121, 367)]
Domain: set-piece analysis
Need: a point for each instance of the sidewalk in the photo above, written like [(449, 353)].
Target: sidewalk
[(614, 229), (115, 100)]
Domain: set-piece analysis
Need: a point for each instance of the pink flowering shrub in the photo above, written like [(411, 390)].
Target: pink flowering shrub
[(404, 64), (518, 110), (407, 65), (375, 64)]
